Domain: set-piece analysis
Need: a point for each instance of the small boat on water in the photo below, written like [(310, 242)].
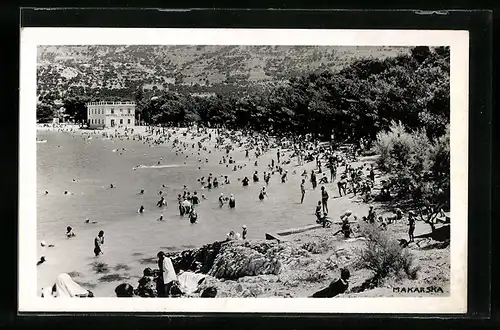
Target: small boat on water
[(41, 141)]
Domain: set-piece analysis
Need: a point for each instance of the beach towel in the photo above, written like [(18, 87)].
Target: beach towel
[(67, 288), (189, 281)]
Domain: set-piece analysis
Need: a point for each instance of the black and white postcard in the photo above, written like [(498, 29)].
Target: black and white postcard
[(243, 170)]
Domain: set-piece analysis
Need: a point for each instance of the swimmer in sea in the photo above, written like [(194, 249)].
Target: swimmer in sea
[(141, 209), (111, 185), (41, 261), (69, 232), (46, 192), (160, 218), (142, 192)]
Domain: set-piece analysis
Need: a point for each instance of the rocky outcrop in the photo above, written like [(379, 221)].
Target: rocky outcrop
[(196, 260), (235, 261)]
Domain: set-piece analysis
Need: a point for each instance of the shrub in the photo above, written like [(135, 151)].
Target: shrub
[(420, 168), (384, 256)]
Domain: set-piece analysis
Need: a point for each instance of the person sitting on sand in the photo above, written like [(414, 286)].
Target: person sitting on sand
[(383, 224), (245, 181), (161, 202), (336, 287), (323, 179), (216, 183), (124, 290), (346, 227), (231, 235), (98, 242), (147, 285), (69, 232), (160, 218), (46, 192), (111, 186), (398, 215), (65, 287)]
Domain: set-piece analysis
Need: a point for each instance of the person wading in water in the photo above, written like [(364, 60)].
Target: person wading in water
[(98, 242)]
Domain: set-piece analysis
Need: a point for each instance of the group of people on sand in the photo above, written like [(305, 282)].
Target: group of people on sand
[(237, 236), (158, 283)]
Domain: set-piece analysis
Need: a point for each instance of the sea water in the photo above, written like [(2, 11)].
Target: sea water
[(132, 240)]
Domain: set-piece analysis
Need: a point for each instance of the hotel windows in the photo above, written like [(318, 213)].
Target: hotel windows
[(129, 121), (112, 110), (121, 121), (128, 111)]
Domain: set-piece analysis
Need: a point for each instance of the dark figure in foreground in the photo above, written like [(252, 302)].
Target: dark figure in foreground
[(124, 290), (336, 287), (210, 292)]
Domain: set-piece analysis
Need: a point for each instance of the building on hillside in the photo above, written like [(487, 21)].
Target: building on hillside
[(110, 114)]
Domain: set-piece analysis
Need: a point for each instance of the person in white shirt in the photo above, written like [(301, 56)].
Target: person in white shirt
[(167, 275)]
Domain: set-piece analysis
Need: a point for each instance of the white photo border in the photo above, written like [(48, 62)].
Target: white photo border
[(456, 302)]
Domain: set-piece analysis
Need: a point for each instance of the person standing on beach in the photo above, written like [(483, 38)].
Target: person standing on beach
[(324, 199), (244, 232), (278, 156), (302, 191), (372, 175), (371, 215), (98, 242), (411, 224), (313, 179), (167, 275)]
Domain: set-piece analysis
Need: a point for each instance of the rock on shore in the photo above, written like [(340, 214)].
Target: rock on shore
[(260, 268)]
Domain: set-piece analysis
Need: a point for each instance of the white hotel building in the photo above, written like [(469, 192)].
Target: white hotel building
[(110, 114)]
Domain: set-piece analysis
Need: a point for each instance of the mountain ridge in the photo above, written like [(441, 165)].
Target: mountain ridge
[(81, 69)]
